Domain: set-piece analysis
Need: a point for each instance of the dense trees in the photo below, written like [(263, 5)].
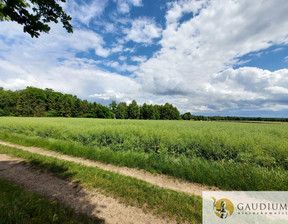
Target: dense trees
[(39, 103), (35, 15)]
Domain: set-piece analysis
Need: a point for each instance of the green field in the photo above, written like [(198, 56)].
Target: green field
[(240, 156)]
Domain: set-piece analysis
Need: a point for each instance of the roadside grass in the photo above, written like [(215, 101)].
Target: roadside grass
[(227, 175), (128, 190), (21, 206)]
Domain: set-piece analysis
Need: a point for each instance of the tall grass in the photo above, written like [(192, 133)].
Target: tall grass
[(259, 144), (224, 174), (177, 148)]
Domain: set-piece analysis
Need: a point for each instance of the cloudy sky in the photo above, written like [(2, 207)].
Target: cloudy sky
[(217, 57)]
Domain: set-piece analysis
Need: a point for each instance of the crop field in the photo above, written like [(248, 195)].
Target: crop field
[(229, 155)]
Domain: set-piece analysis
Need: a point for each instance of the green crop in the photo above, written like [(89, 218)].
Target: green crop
[(203, 152)]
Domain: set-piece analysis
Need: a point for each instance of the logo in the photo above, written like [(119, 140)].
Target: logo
[(223, 208), (265, 207)]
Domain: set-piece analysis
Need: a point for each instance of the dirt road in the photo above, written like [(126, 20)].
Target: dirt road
[(158, 180), (91, 203)]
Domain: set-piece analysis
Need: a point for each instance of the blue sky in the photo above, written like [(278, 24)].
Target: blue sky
[(220, 57)]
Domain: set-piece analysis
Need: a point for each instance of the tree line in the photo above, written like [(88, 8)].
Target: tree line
[(35, 102), (189, 116)]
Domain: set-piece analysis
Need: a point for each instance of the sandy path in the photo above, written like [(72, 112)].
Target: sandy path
[(73, 196), (159, 180)]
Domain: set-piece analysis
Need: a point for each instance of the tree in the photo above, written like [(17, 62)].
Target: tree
[(147, 112), (133, 110), (169, 112), (8, 100), (121, 112), (37, 19), (187, 116), (113, 107)]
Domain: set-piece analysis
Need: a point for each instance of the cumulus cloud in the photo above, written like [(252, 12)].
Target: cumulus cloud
[(86, 11), (178, 8), (251, 84), (123, 67), (43, 52), (122, 58), (142, 30), (117, 48), (139, 58), (50, 62), (124, 6), (209, 42), (80, 77)]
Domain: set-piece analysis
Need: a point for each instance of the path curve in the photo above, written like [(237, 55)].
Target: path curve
[(81, 200), (155, 179)]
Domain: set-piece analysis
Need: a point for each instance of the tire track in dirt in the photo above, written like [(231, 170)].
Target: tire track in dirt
[(155, 179), (67, 193)]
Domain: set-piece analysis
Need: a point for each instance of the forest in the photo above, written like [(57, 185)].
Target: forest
[(35, 102)]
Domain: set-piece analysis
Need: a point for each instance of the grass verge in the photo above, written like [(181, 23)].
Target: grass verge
[(21, 206), (129, 190), (227, 175)]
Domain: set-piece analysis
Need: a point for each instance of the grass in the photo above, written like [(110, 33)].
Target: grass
[(262, 144), (21, 206), (129, 190), (227, 175)]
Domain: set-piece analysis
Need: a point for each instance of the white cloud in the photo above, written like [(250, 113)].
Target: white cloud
[(178, 8), (82, 40), (102, 52), (136, 2), (116, 49), (110, 28), (80, 77), (86, 11), (142, 30), (122, 58), (113, 64), (130, 68), (131, 50), (278, 49), (249, 86), (121, 67), (210, 42), (124, 6), (277, 90), (139, 58), (58, 43), (50, 62)]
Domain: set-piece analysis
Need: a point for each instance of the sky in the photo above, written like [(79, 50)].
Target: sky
[(208, 57)]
